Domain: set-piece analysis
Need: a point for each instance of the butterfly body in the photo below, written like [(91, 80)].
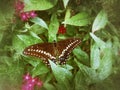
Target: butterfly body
[(58, 52)]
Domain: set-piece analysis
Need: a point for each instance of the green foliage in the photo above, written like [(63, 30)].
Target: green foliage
[(65, 2), (80, 19), (53, 28), (39, 69), (93, 65), (40, 22), (39, 5), (61, 74), (100, 21), (81, 55)]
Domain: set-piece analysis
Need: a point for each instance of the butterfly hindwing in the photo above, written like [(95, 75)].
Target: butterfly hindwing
[(65, 47)]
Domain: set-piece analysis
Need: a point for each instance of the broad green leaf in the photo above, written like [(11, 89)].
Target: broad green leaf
[(81, 55), (18, 45), (40, 22), (80, 81), (39, 4), (104, 53), (48, 86), (65, 2), (68, 67), (100, 21), (37, 29), (105, 67), (40, 69), (35, 36), (32, 60), (80, 19), (67, 14), (53, 28), (89, 73), (98, 41), (61, 74), (86, 37), (29, 39), (95, 56)]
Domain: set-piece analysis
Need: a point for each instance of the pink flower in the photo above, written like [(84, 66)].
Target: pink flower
[(39, 83), (62, 30), (32, 14), (27, 77), (30, 83), (27, 87), (19, 10), (24, 16), (19, 6)]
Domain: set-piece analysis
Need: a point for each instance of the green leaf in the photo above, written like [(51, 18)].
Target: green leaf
[(95, 56), (100, 21), (67, 14), (98, 41), (65, 2), (37, 29), (80, 81), (81, 55), (53, 28), (39, 4), (18, 45), (40, 69), (68, 67), (29, 39), (40, 22), (61, 74), (90, 74), (48, 86), (32, 60), (104, 53), (80, 19), (22, 41), (105, 68)]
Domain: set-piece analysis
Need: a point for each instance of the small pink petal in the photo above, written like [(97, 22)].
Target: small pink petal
[(39, 84), (34, 80), (32, 14), (27, 87), (27, 77), (24, 16), (19, 5)]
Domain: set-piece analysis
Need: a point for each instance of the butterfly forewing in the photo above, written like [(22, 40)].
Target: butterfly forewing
[(42, 50)]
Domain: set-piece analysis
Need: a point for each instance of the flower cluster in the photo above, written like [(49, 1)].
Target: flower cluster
[(30, 83), (62, 30), (25, 16)]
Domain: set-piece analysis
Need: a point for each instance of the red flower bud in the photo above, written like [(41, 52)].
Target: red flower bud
[(62, 30)]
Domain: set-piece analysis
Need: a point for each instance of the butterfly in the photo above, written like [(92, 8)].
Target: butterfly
[(58, 52)]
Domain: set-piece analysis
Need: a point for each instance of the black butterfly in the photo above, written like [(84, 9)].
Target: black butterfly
[(57, 52)]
